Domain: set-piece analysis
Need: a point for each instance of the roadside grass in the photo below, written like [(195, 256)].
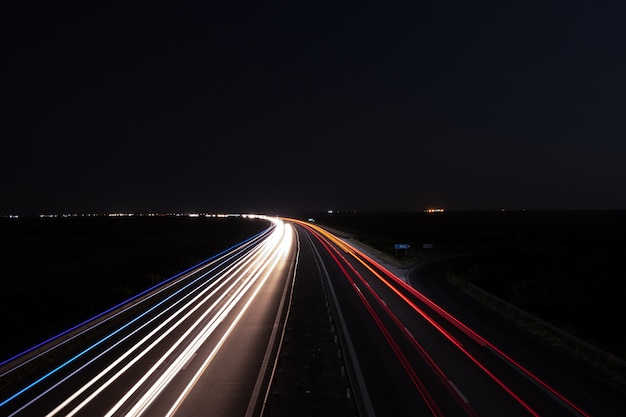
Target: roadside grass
[(603, 363), (577, 290)]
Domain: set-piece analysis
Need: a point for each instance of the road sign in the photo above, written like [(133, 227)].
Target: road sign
[(401, 246)]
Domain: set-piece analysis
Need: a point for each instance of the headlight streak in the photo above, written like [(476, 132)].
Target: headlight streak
[(231, 274), (224, 256), (450, 338), (267, 264), (359, 256), (112, 309), (267, 361), (85, 351), (283, 250), (228, 275)]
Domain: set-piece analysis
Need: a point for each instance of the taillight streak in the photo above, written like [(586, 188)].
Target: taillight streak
[(260, 274), (419, 384), (462, 401), (114, 333), (472, 334), (361, 257)]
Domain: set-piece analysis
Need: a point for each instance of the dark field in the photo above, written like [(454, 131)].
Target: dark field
[(565, 267), (56, 273)]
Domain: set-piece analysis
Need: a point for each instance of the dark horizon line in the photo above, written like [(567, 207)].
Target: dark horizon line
[(200, 213)]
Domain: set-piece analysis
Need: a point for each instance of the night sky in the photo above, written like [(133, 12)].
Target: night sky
[(253, 107)]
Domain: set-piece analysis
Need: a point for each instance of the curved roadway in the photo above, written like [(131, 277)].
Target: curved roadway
[(199, 345), (425, 349), (210, 342)]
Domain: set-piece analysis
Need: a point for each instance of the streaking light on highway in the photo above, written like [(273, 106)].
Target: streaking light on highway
[(226, 297), (181, 302)]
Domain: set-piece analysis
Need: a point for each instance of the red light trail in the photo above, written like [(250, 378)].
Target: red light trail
[(410, 296)]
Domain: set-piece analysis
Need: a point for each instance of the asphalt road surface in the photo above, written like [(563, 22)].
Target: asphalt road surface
[(424, 349), (200, 345), (573, 378), (296, 322)]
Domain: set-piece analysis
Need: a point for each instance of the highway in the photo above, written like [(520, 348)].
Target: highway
[(417, 358), (208, 341), (199, 345), (574, 378)]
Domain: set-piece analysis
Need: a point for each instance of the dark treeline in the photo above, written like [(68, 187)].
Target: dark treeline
[(58, 272)]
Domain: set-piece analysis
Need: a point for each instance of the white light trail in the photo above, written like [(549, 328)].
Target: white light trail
[(213, 282), (266, 267), (284, 249), (240, 276)]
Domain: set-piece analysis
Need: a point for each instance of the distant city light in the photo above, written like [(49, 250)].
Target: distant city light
[(146, 214), (434, 210)]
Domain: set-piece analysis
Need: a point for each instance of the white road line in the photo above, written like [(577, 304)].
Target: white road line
[(458, 391)]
